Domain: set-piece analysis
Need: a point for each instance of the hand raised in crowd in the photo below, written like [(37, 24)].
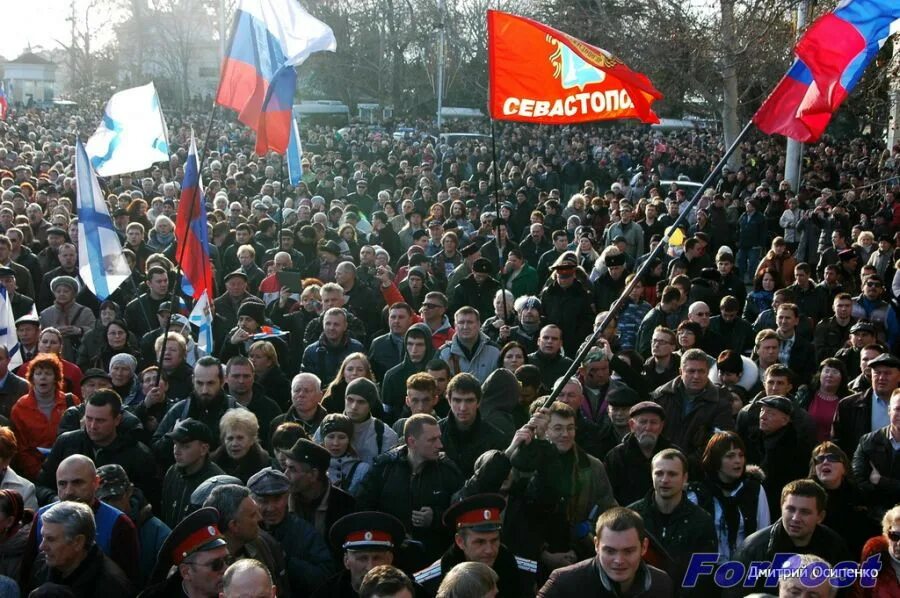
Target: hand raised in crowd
[(283, 296), (240, 335)]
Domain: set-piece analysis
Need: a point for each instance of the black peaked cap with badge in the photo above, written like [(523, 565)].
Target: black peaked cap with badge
[(479, 513), (197, 532), (367, 530)]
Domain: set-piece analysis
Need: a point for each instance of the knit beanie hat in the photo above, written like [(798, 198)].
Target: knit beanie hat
[(365, 388), (126, 358), (336, 422)]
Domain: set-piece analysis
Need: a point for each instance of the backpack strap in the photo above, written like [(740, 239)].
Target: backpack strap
[(379, 435)]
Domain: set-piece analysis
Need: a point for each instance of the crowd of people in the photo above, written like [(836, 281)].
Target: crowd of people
[(371, 418)]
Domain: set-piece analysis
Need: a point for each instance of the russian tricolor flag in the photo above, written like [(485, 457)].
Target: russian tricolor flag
[(831, 58), (270, 38), (190, 229)]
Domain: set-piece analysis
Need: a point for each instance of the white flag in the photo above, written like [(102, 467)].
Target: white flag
[(132, 135), (8, 337), (201, 317), (102, 266)]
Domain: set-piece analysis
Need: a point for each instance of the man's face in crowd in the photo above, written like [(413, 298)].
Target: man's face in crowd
[(245, 525), (188, 454), (801, 278), (620, 553), (100, 423), (441, 379), (800, 515), (419, 401), (273, 509), (356, 408), (669, 478), (772, 420), (873, 289), (207, 382), (416, 348), (884, 380), (427, 445), (464, 406), (572, 395), (550, 340), (479, 547), (61, 553), (467, 326), (334, 327), (561, 432), (787, 321), (596, 374), (77, 482), (843, 308), (360, 562), (768, 351), (305, 395), (332, 299), (67, 257), (778, 385), (694, 375)]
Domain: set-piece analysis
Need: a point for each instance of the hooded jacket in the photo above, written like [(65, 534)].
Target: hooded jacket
[(500, 403), (393, 388)]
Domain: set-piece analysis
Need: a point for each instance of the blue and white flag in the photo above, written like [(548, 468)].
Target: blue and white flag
[(201, 317), (132, 135), (294, 155), (8, 336), (101, 264)]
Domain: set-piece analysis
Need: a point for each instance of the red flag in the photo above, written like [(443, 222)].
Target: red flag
[(541, 75)]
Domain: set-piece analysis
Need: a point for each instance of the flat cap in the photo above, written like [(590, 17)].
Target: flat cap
[(647, 407), (885, 360), (778, 402), (269, 482)]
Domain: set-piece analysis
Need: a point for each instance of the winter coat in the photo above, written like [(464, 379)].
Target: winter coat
[(208, 413), (307, 557), (480, 365), (393, 386), (465, 446), (875, 450), (500, 403), (629, 470), (887, 582), (347, 473), (391, 487), (324, 359), (572, 309), (691, 431), (587, 578), (33, 430), (243, 469)]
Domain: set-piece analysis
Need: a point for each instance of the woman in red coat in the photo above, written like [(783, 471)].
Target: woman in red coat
[(35, 416), (887, 585)]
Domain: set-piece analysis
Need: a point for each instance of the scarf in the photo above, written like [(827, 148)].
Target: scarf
[(724, 492)]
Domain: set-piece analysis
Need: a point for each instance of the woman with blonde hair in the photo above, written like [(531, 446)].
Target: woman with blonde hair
[(240, 454), (355, 365), (269, 374), (887, 547)]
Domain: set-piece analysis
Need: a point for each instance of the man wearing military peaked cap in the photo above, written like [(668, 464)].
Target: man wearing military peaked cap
[(476, 522), (367, 539), (192, 560)]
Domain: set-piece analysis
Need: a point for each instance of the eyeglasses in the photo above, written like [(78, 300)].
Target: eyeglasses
[(431, 306), (873, 283), (660, 341), (827, 458), (894, 536), (215, 565)]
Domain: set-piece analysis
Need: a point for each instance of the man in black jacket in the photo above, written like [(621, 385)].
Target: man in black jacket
[(464, 433), (208, 403), (191, 440), (549, 357), (856, 413), (618, 569), (875, 466), (678, 525), (799, 531), (312, 496), (628, 464), (101, 440), (415, 483)]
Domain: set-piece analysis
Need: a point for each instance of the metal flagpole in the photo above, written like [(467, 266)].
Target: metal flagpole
[(496, 176), (620, 302)]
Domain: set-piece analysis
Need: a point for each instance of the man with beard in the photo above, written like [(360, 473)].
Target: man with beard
[(208, 403), (477, 522), (628, 464)]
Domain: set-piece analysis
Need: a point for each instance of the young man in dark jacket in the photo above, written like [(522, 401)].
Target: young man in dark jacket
[(414, 483), (799, 531)]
